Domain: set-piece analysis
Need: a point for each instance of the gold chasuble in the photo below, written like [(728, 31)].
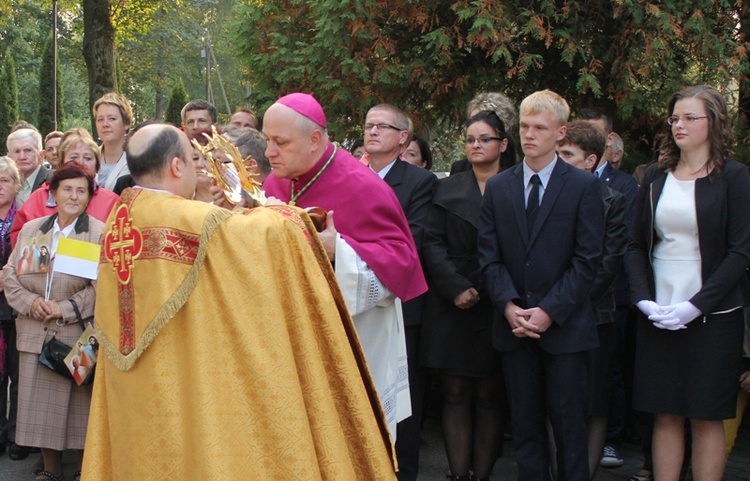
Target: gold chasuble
[(226, 352)]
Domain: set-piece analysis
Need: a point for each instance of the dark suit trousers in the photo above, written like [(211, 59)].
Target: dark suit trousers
[(8, 424), (554, 386), (408, 430)]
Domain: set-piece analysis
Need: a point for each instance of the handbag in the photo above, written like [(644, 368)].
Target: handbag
[(53, 356), (54, 351)]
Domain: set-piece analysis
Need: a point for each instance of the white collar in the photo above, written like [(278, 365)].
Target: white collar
[(384, 171)]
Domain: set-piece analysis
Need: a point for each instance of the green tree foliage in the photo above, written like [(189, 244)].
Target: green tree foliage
[(25, 32), (45, 118), (155, 44), (431, 57), (178, 100), (160, 42), (8, 97)]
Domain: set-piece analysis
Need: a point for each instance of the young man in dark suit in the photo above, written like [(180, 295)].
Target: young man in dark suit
[(628, 187), (541, 237), (386, 137)]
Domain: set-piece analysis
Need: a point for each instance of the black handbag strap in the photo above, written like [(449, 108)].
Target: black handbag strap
[(78, 313)]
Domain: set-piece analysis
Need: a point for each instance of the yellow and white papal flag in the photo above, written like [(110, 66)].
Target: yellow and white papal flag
[(77, 258)]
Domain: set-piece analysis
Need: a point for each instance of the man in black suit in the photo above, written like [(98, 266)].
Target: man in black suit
[(615, 180), (541, 234), (628, 187), (25, 148), (386, 137)]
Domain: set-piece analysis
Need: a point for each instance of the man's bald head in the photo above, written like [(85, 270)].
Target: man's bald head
[(160, 156), (150, 148)]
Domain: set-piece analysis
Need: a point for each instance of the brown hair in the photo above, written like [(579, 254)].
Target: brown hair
[(71, 170), (719, 125), (585, 136)]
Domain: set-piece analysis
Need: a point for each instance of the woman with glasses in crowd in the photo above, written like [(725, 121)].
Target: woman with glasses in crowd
[(689, 251), (457, 324)]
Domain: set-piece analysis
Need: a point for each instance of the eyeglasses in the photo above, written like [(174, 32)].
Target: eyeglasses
[(690, 119), (382, 127), (481, 140)]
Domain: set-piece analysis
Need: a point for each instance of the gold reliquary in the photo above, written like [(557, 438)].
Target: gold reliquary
[(229, 171)]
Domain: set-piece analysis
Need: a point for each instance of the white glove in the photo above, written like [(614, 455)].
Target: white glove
[(649, 308), (676, 316)]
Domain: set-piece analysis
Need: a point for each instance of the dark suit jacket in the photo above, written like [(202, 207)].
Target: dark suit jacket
[(553, 267), (413, 187), (43, 176), (622, 183), (628, 187), (123, 183), (722, 202), (615, 246)]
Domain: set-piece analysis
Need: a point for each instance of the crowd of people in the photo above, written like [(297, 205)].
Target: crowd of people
[(542, 292)]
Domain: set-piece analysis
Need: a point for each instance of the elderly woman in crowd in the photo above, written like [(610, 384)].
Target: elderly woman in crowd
[(688, 256), (77, 146), (113, 117), (52, 409), (10, 181), (457, 323)]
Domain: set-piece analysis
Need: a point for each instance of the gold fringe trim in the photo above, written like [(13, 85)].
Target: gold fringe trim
[(168, 310), (351, 331)]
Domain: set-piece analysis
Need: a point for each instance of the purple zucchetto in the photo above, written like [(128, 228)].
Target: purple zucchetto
[(305, 104)]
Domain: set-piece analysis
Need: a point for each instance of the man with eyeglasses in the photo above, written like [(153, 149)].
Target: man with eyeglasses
[(367, 236), (386, 137)]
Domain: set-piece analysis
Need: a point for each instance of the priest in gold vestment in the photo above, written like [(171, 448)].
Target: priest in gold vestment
[(226, 349)]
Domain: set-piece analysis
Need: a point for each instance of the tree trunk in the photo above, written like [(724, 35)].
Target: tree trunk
[(159, 93), (99, 50)]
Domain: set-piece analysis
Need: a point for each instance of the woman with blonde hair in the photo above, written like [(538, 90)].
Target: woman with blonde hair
[(113, 117)]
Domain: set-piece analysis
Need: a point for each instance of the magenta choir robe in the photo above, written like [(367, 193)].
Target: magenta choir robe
[(377, 265)]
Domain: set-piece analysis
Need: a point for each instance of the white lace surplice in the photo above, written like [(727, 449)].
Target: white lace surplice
[(380, 327)]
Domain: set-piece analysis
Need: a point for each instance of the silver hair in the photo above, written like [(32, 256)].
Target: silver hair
[(617, 144), (23, 134), (498, 103)]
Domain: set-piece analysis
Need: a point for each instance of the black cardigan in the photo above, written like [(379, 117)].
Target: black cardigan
[(722, 201)]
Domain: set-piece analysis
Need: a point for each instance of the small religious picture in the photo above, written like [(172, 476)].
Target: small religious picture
[(82, 357), (35, 255)]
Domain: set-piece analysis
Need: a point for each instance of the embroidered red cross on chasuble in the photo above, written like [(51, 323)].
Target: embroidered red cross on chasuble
[(124, 243)]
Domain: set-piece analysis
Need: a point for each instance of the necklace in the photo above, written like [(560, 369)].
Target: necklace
[(294, 198), (106, 160)]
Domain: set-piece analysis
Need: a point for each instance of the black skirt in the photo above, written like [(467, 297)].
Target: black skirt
[(691, 372), (459, 341)]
